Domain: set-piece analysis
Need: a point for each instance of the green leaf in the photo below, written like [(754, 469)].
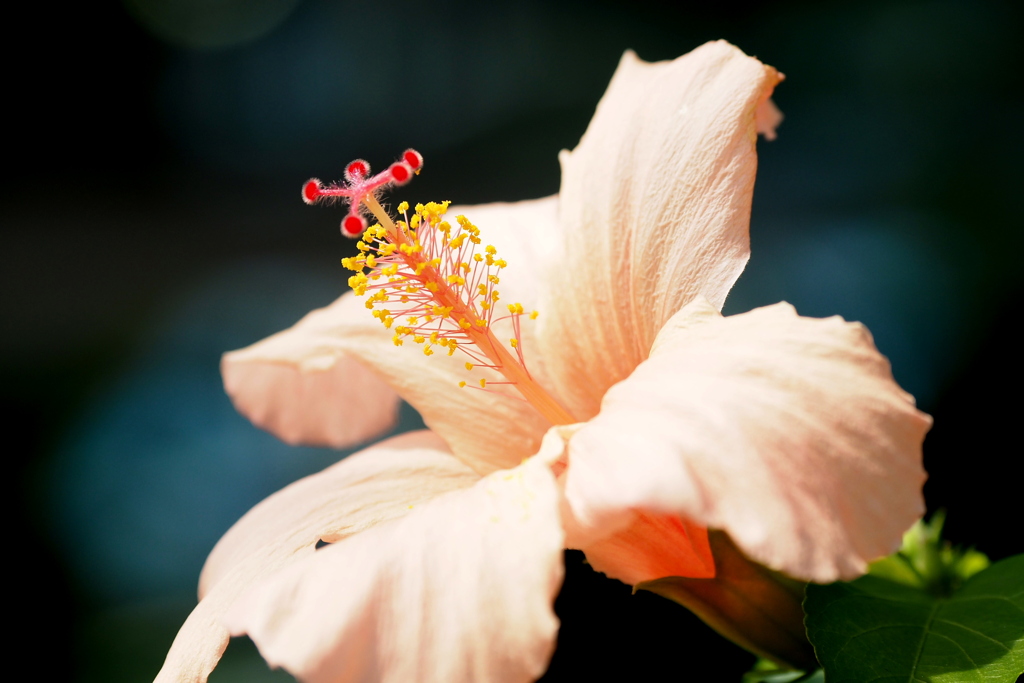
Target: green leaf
[(883, 631)]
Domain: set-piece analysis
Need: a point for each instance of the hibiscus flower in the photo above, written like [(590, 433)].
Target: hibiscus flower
[(627, 420)]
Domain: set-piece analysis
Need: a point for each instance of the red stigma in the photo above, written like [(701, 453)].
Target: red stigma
[(400, 173), (413, 158), (353, 226), (357, 170), (360, 186), (311, 191)]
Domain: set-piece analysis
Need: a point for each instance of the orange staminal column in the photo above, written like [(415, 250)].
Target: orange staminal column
[(447, 289)]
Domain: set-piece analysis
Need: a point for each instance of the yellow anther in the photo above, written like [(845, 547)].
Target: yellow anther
[(533, 315), (357, 280), (480, 322), (482, 289), (427, 351), (464, 324), (415, 221), (457, 242), (432, 286), (478, 258), (456, 280), (397, 340), (362, 246), (514, 342), (501, 263), (515, 309), (388, 321), (484, 305), (390, 270), (371, 261), (413, 320), (419, 267), (436, 261), (483, 382), (465, 267), (434, 336), (403, 207), (418, 338), (491, 250), (462, 384), (469, 366), (494, 278)]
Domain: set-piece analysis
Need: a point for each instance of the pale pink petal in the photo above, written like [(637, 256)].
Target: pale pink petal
[(303, 386), (789, 433), (459, 590), (378, 484), (654, 209)]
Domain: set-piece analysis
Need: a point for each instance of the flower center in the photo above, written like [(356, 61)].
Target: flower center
[(434, 283)]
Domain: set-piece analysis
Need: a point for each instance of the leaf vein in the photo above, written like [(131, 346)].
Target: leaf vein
[(920, 645), (871, 630), (983, 635), (1002, 598), (960, 647)]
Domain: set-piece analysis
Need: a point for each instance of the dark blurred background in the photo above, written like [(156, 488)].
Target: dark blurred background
[(151, 220)]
